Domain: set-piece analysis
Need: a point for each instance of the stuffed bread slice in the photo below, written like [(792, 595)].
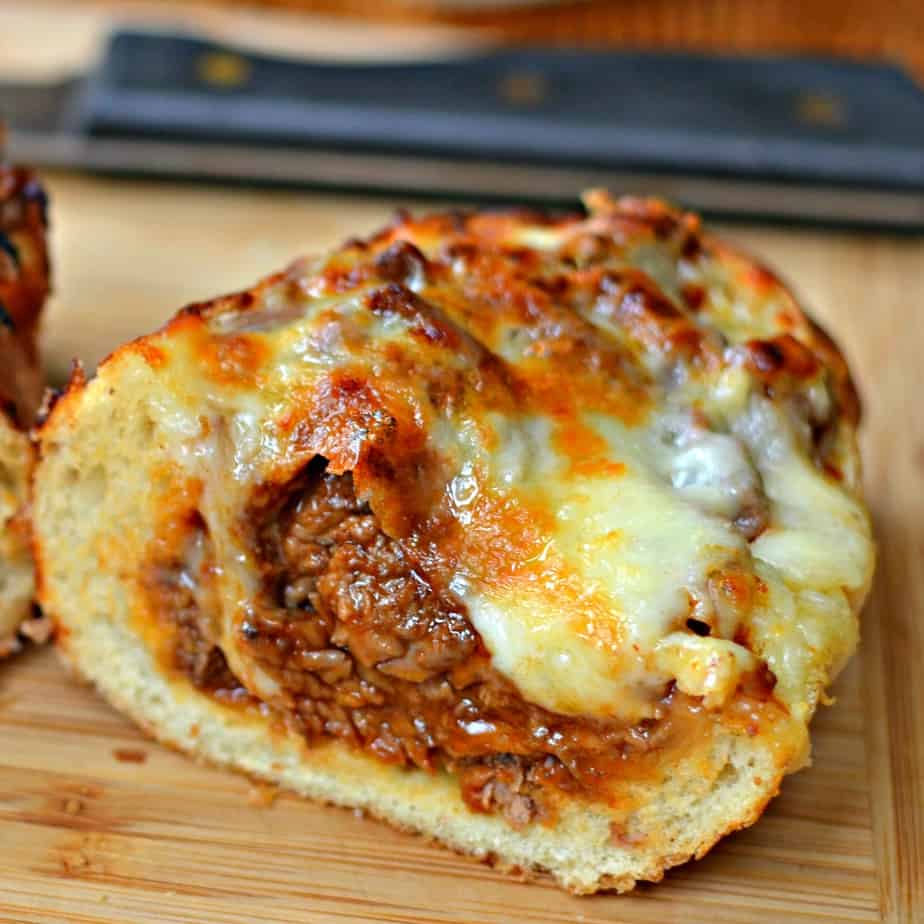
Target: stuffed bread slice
[(24, 280), (539, 536)]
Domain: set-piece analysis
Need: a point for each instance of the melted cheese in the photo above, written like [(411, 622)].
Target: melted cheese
[(574, 624), (593, 520)]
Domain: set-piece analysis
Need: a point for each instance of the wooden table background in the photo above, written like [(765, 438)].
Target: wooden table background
[(99, 825), (891, 29)]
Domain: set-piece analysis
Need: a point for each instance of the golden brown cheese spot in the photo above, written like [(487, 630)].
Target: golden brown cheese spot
[(395, 299), (780, 359), (587, 452), (761, 279), (153, 355), (694, 296), (598, 468), (374, 429), (631, 302), (234, 359), (402, 263), (505, 538), (737, 588)]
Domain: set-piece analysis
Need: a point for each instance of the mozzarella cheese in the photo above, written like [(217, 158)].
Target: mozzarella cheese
[(595, 474)]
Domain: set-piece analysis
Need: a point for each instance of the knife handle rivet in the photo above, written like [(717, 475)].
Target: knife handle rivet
[(223, 69), (523, 88), (820, 109)]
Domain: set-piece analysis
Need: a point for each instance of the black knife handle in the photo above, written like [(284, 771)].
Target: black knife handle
[(796, 118)]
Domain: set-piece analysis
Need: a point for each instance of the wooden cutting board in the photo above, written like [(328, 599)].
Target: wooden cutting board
[(97, 824)]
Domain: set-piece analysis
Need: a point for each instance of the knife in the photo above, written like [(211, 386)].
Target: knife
[(807, 139)]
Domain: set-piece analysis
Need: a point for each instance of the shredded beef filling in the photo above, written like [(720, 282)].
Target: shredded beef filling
[(367, 649), (193, 653)]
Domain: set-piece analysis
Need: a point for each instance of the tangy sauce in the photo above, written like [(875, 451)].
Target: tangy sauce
[(364, 647)]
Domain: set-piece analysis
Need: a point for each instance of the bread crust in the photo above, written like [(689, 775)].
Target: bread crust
[(106, 477), (24, 285)]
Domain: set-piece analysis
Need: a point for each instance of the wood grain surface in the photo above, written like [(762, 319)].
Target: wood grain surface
[(99, 825)]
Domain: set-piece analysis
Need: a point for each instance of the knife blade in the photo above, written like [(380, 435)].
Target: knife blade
[(792, 138)]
